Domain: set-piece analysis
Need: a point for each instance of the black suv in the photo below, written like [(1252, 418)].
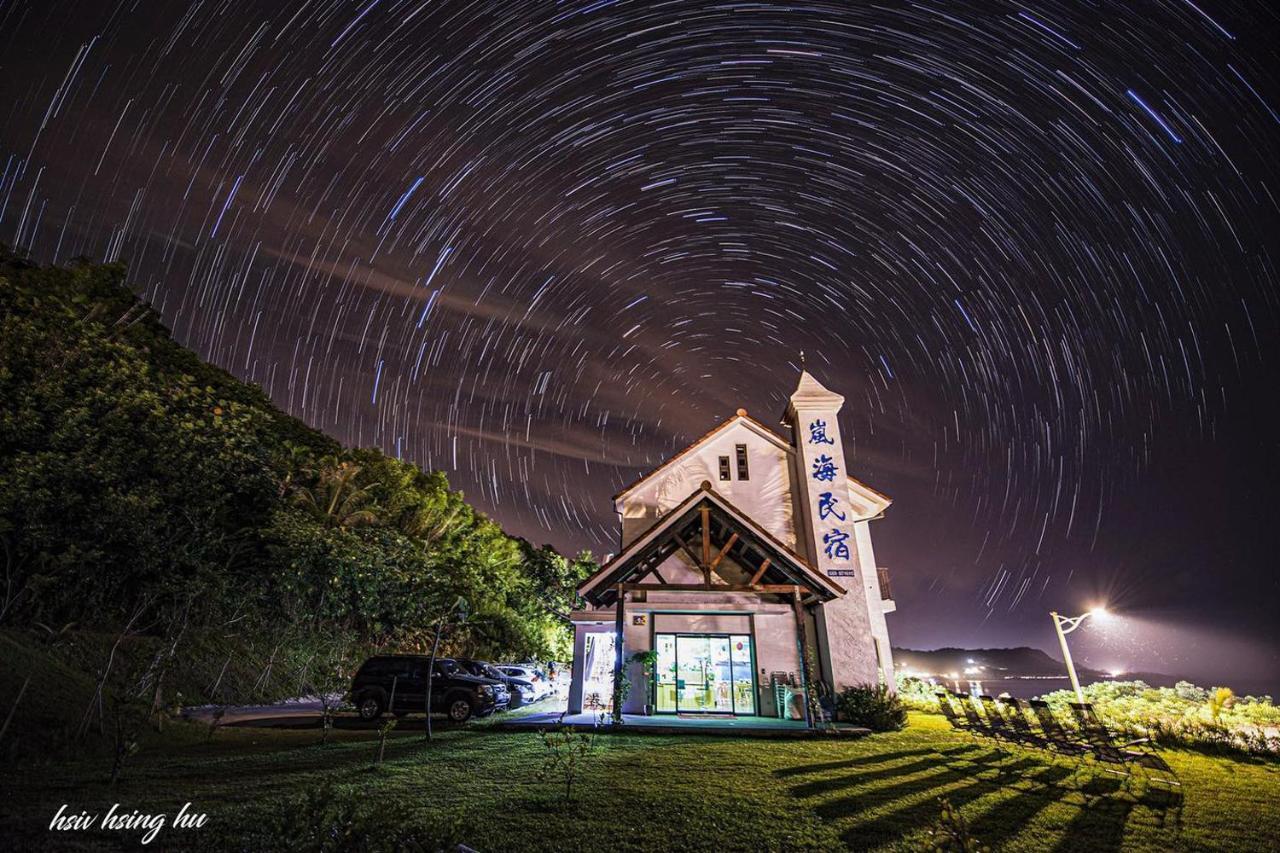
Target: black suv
[(521, 691), (453, 691)]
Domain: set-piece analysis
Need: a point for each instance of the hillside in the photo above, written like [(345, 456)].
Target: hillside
[(150, 500), (1019, 661)]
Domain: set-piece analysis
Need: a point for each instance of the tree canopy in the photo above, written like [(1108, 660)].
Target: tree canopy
[(134, 476)]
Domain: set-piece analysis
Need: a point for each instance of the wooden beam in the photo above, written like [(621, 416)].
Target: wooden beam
[(755, 579), (761, 589), (803, 633), (688, 551), (706, 537), (650, 567), (723, 551)]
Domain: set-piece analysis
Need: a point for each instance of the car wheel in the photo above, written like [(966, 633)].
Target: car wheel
[(370, 708), (460, 709)]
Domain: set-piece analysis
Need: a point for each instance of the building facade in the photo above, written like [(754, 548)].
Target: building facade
[(745, 579)]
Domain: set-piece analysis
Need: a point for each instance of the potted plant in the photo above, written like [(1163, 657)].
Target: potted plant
[(647, 660)]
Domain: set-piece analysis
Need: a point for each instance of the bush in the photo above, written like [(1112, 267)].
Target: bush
[(917, 694), (1182, 715), (872, 706)]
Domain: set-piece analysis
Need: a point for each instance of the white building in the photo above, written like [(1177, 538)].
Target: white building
[(746, 564)]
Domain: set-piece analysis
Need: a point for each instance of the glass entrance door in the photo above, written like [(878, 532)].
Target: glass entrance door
[(704, 673), (665, 674), (743, 674)]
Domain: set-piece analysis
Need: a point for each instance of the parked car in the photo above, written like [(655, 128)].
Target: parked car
[(525, 672), (454, 691), (522, 692)]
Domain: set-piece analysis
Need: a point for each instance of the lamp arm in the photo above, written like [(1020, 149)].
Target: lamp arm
[(1067, 624)]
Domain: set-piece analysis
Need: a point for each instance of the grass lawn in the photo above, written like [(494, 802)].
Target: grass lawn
[(665, 792)]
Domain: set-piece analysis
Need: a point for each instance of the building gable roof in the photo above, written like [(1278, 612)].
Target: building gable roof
[(663, 539), (869, 502), (741, 417)]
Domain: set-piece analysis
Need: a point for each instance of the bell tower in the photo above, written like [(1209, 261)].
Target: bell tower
[(846, 645)]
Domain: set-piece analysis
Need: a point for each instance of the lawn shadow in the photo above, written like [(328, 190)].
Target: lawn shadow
[(878, 758), (281, 770), (829, 784), (1101, 820), (1009, 817), (912, 818), (860, 802)]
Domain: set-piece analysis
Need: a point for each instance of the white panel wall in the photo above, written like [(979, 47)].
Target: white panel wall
[(765, 497)]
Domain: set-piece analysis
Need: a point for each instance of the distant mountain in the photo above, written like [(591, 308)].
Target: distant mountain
[(1019, 662), (1028, 672)]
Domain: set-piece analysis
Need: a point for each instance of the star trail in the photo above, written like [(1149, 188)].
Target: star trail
[(543, 245)]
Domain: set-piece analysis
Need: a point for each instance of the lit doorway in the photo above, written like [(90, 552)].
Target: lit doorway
[(597, 671), (705, 674)]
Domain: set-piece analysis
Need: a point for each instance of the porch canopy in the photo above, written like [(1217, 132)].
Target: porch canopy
[(733, 554)]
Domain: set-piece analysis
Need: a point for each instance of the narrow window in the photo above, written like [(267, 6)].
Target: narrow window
[(724, 468), (742, 462)]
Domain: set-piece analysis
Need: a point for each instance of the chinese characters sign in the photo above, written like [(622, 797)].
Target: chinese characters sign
[(824, 469)]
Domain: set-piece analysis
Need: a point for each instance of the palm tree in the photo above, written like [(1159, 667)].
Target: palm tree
[(337, 497), (293, 459)]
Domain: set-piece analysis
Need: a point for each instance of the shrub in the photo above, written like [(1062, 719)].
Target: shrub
[(917, 694), (1182, 715), (872, 706), (567, 749)]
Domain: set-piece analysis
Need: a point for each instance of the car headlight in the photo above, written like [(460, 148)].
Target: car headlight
[(485, 690)]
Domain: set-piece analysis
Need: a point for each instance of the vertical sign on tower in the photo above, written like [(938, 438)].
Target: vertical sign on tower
[(844, 625)]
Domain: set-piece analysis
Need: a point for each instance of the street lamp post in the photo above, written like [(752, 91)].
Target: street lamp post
[(1065, 625)]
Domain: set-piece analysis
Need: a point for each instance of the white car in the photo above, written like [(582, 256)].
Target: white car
[(541, 686)]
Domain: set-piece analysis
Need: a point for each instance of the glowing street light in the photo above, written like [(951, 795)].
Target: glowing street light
[(1065, 625)]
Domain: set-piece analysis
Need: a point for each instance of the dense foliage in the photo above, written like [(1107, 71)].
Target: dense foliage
[(147, 492), (873, 706), (917, 694), (1184, 714)]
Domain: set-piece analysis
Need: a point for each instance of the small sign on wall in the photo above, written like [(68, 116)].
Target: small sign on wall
[(640, 619), (842, 573)]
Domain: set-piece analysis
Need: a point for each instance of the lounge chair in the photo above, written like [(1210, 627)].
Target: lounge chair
[(999, 725), (1109, 749), (972, 717), (1060, 740), (949, 711), (1016, 719)]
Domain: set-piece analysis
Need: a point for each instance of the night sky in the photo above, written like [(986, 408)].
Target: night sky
[(543, 245)]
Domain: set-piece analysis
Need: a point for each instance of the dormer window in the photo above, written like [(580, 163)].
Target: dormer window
[(724, 468), (743, 474)]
